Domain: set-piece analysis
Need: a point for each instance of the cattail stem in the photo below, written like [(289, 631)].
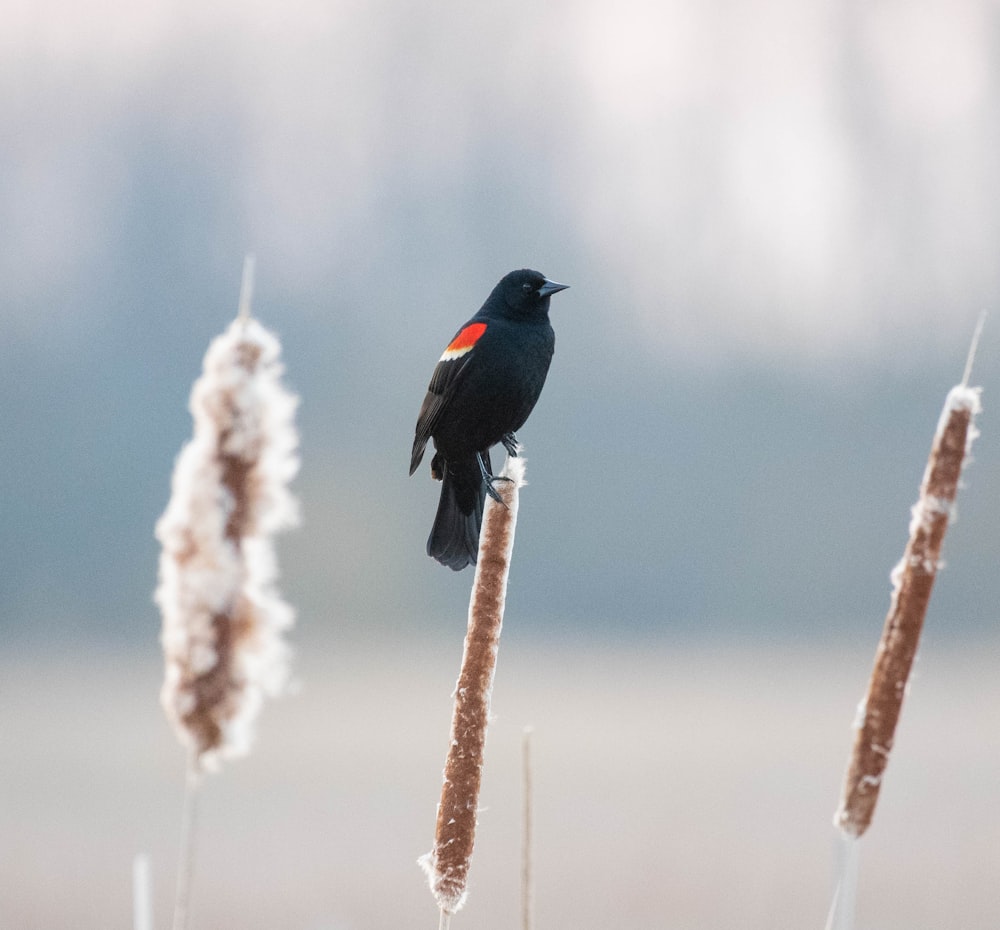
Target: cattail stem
[(246, 288), (142, 895), (527, 891), (913, 579), (842, 911), (185, 855), (447, 865), (973, 346)]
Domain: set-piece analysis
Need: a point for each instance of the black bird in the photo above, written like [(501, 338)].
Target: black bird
[(482, 390)]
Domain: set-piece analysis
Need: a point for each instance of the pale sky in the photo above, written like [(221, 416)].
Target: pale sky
[(773, 179)]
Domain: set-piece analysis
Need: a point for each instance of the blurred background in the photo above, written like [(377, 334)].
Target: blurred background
[(779, 223)]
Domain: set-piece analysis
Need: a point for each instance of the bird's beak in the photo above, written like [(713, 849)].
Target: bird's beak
[(551, 287)]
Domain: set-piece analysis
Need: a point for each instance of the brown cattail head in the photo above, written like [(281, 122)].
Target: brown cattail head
[(223, 618), (447, 865), (912, 580)]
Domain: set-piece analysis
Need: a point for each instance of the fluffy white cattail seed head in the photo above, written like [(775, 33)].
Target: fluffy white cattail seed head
[(223, 619)]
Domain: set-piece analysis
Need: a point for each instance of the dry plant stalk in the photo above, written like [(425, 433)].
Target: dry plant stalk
[(223, 619), (447, 865), (912, 580), (142, 894), (527, 884)]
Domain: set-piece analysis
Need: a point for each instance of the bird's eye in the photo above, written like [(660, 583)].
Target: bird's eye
[(527, 287)]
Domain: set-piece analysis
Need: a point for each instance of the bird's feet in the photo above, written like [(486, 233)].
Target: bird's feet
[(511, 444), (489, 480)]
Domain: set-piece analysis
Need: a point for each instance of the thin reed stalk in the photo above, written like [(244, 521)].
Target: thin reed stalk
[(527, 885), (842, 911), (142, 894), (447, 865), (913, 579), (186, 847)]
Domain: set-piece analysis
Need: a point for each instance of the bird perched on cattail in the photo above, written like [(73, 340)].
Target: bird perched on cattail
[(483, 389)]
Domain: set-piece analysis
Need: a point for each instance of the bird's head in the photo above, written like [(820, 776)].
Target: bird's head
[(524, 293)]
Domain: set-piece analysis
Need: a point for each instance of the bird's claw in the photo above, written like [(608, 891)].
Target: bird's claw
[(492, 491), (511, 444), (489, 480)]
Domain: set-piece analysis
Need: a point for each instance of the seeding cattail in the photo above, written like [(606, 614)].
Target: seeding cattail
[(223, 619), (912, 580), (447, 865)]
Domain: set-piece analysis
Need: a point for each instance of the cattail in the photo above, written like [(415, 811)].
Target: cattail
[(912, 580), (447, 865), (223, 619)]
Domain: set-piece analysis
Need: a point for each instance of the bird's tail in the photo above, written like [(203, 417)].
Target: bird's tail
[(454, 539)]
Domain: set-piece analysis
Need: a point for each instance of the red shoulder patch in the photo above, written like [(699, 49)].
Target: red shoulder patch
[(464, 341)]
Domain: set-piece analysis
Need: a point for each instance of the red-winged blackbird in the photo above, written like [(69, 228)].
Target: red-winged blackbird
[(482, 390)]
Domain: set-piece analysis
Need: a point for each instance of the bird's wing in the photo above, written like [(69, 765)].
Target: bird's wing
[(446, 377)]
